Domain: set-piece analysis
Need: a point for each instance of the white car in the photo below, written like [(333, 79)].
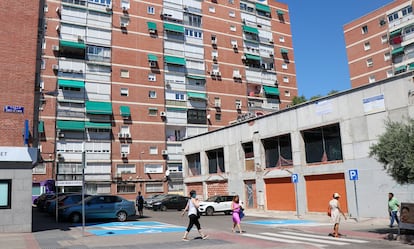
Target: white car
[(217, 203)]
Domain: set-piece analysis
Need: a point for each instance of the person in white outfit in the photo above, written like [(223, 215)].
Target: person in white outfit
[(336, 213), (192, 206)]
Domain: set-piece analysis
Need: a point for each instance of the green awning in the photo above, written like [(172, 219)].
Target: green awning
[(270, 90), (41, 127), (194, 95), (72, 44), (173, 28), (397, 50), (252, 57), (400, 68), (152, 25), (280, 12), (411, 66), (70, 125), (125, 111), (250, 29), (284, 50), (98, 125), (176, 109), (262, 7), (174, 60), (93, 107), (152, 57), (395, 33), (194, 77), (71, 83)]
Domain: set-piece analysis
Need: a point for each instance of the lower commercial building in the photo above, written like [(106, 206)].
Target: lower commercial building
[(295, 159)]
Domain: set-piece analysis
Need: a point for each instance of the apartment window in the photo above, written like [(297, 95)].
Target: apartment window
[(39, 169), (285, 79), (101, 2), (387, 56), (384, 39), (152, 111), (390, 73), (287, 93), (364, 29), (152, 77), (407, 10), (125, 188), (233, 28), (215, 161), (323, 144), (211, 9), (124, 148), (194, 164), (124, 73), (217, 102), (179, 96), (195, 116), (238, 103), (278, 151), (369, 63), (152, 94), (281, 39), (151, 10), (248, 150), (154, 188), (393, 16), (192, 20), (367, 46), (125, 169), (5, 193), (153, 150), (43, 64), (124, 91), (284, 66), (153, 169), (231, 1), (218, 116), (371, 79), (232, 13), (193, 33)]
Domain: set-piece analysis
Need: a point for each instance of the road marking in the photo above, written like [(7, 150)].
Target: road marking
[(138, 227), (305, 239), (276, 223), (325, 237), (280, 240)]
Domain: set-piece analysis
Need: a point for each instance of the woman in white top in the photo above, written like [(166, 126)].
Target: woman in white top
[(192, 206), (336, 212)]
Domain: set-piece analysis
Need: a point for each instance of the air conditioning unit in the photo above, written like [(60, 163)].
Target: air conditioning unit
[(164, 152), (243, 57), (271, 40), (127, 135), (163, 114), (271, 54), (125, 7), (153, 64), (124, 155), (55, 67), (61, 135), (214, 58), (55, 48), (80, 38), (120, 135), (237, 76), (218, 73), (108, 8), (235, 45), (124, 25), (238, 106), (152, 31), (217, 104)]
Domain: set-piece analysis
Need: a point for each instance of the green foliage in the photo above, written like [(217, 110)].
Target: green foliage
[(297, 100), (395, 150), (332, 92), (315, 97)]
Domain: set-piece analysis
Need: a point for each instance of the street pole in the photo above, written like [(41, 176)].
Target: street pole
[(83, 188), (356, 201)]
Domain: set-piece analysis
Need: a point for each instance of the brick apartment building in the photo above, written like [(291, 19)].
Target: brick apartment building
[(380, 43), (125, 81)]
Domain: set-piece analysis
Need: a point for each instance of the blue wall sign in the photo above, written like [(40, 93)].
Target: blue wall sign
[(353, 174), (13, 108), (295, 178)]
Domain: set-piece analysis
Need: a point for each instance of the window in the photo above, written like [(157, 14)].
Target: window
[(248, 150), (369, 63), (5, 193), (392, 17), (211, 9), (384, 39), (43, 64), (154, 188), (195, 116), (194, 164), (179, 96), (287, 93), (371, 79), (407, 10), (124, 91), (238, 103), (125, 188), (153, 169), (101, 2), (218, 116), (152, 111), (125, 169), (232, 13), (285, 79), (233, 28), (152, 94), (323, 144), (231, 1), (192, 20), (367, 46), (387, 56), (152, 77), (193, 33), (39, 169), (153, 150), (215, 161), (390, 73), (124, 73), (281, 39), (151, 10), (96, 53), (284, 66), (364, 29), (125, 149), (278, 151)]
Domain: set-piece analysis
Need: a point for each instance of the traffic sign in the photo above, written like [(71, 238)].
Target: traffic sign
[(295, 178), (353, 174)]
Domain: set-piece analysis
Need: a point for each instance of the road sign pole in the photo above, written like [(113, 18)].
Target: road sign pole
[(356, 201), (297, 203)]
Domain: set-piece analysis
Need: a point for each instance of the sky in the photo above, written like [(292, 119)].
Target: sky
[(319, 44)]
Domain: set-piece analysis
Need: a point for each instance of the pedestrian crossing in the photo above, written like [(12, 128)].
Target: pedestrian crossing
[(304, 238)]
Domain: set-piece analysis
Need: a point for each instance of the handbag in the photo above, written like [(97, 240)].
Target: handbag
[(241, 213)]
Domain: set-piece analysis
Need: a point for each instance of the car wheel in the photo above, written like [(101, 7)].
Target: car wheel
[(122, 216), (75, 217), (227, 212), (163, 208), (209, 211)]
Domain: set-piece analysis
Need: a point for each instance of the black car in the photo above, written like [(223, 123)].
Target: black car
[(177, 202)]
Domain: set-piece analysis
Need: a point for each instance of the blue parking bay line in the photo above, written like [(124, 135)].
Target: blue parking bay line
[(135, 227), (280, 222)]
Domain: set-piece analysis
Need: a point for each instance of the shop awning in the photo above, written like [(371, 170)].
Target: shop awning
[(280, 12), (174, 60), (270, 90), (397, 50), (250, 29), (400, 68), (194, 77), (284, 50), (252, 57), (262, 7), (395, 33), (72, 44), (93, 107), (125, 111), (41, 127), (152, 57), (98, 125), (70, 125), (194, 95), (71, 83), (411, 66), (152, 25), (173, 28)]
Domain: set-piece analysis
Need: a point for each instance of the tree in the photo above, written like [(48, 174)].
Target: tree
[(332, 92), (297, 100), (395, 150)]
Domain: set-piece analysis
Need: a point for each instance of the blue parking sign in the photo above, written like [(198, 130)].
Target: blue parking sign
[(295, 178), (353, 174)]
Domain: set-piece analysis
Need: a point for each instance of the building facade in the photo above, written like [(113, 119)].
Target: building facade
[(19, 90), (295, 159), (123, 82), (379, 44)]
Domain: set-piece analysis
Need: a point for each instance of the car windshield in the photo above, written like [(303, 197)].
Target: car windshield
[(212, 198)]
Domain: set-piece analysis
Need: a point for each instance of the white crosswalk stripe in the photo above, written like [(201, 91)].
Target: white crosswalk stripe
[(304, 238)]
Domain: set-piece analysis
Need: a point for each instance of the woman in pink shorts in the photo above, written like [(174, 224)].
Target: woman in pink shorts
[(236, 207)]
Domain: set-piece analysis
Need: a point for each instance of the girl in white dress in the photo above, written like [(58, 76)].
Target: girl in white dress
[(336, 213)]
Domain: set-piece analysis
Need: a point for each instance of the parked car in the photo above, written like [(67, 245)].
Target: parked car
[(177, 202), (99, 207), (48, 201), (64, 200), (41, 200), (217, 203), (148, 202)]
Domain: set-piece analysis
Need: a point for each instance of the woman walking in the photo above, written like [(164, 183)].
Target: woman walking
[(237, 209), (336, 212), (192, 207)]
